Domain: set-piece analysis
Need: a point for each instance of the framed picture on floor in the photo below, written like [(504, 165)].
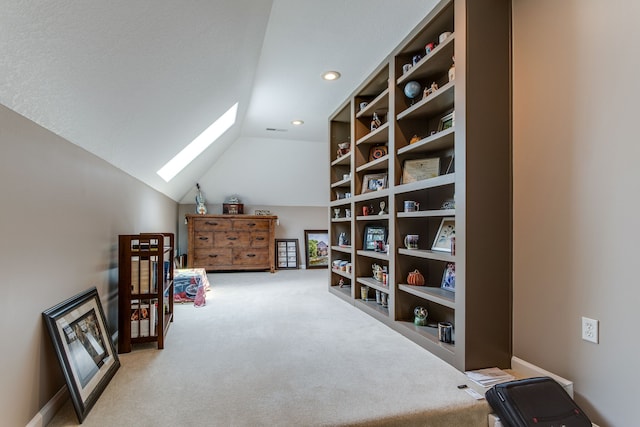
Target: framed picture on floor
[(316, 243), (84, 348)]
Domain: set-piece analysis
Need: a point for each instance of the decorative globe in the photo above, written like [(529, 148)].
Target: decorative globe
[(412, 89)]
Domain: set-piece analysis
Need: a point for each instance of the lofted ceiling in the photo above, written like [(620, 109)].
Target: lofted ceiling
[(133, 82)]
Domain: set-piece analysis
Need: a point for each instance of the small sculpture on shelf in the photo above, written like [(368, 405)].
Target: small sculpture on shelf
[(343, 240), (382, 206), (336, 213), (420, 314), (429, 90), (412, 90), (375, 122), (200, 206), (415, 278), (452, 70), (414, 139)]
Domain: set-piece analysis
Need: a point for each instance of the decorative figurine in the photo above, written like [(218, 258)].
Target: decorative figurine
[(382, 206), (421, 314), (414, 139), (200, 207), (429, 90), (336, 213), (375, 122)]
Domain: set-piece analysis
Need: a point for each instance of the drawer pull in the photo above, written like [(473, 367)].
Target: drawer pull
[(232, 238), (203, 238), (211, 223), (251, 255), (253, 224), (259, 238), (213, 256)]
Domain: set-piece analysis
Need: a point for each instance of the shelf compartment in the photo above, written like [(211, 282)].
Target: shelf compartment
[(381, 163), (374, 309), (435, 63), (341, 202), (438, 181), (427, 254), (372, 195), (376, 136), (436, 142), (344, 292), (372, 217), (433, 294), (435, 103), (429, 333), (341, 219), (427, 214), (343, 274), (343, 160), (379, 103), (373, 283), (345, 249), (373, 254)]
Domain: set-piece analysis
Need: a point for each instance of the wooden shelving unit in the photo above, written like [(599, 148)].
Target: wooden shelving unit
[(474, 188), (145, 288)]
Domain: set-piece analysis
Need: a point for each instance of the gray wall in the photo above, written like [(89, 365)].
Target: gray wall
[(62, 211), (576, 204)]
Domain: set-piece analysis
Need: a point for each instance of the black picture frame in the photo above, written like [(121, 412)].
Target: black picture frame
[(83, 345), (316, 244), (372, 233), (287, 254)]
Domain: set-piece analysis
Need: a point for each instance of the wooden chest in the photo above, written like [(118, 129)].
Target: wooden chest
[(231, 242)]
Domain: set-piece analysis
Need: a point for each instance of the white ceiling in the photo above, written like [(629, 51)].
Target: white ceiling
[(135, 81)]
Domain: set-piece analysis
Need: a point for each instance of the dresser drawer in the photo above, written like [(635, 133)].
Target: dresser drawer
[(203, 239), (231, 239), (250, 224), (260, 239), (248, 257), (209, 258), (211, 224)]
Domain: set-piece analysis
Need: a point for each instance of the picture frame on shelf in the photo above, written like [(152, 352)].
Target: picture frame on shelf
[(316, 243), (449, 277), (418, 169), (374, 182), (447, 121), (83, 346), (373, 234), (446, 231)]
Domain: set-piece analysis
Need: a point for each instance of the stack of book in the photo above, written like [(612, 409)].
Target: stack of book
[(489, 377)]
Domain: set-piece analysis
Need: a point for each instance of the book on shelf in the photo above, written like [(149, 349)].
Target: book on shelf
[(135, 275), (140, 319), (145, 275)]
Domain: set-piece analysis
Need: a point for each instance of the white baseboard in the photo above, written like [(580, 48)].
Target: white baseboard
[(529, 370), (45, 415)]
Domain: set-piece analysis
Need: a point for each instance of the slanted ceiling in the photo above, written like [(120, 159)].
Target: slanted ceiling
[(133, 82)]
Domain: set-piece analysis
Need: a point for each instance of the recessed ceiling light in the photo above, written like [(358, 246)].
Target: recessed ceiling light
[(297, 122), (331, 75)]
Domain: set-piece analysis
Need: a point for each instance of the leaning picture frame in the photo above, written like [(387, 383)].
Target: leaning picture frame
[(373, 234), (447, 121), (449, 277), (374, 182), (83, 345), (316, 243), (446, 232)]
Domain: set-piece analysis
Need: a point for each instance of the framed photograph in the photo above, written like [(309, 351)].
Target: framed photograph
[(419, 169), (445, 233), (83, 345), (287, 254), (449, 277), (374, 182), (447, 122), (373, 234), (316, 243)]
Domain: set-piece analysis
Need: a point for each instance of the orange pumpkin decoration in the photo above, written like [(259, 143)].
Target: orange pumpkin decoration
[(415, 278)]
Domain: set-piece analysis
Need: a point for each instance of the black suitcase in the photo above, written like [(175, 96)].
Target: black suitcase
[(535, 402)]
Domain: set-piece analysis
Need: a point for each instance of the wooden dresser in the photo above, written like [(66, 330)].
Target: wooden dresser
[(231, 242)]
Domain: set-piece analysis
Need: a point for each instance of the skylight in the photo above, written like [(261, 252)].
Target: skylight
[(198, 145)]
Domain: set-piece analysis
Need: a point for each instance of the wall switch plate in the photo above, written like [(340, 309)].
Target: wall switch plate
[(590, 330)]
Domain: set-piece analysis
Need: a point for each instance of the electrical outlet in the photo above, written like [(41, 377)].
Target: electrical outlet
[(590, 330)]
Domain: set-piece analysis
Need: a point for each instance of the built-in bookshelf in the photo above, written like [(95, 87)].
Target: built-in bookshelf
[(145, 288), (429, 135)]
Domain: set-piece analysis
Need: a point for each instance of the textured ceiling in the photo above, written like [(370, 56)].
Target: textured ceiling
[(134, 82)]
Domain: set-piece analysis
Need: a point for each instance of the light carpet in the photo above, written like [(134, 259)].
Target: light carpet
[(280, 350)]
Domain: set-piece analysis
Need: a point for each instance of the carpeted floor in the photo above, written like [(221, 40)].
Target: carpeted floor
[(280, 350)]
